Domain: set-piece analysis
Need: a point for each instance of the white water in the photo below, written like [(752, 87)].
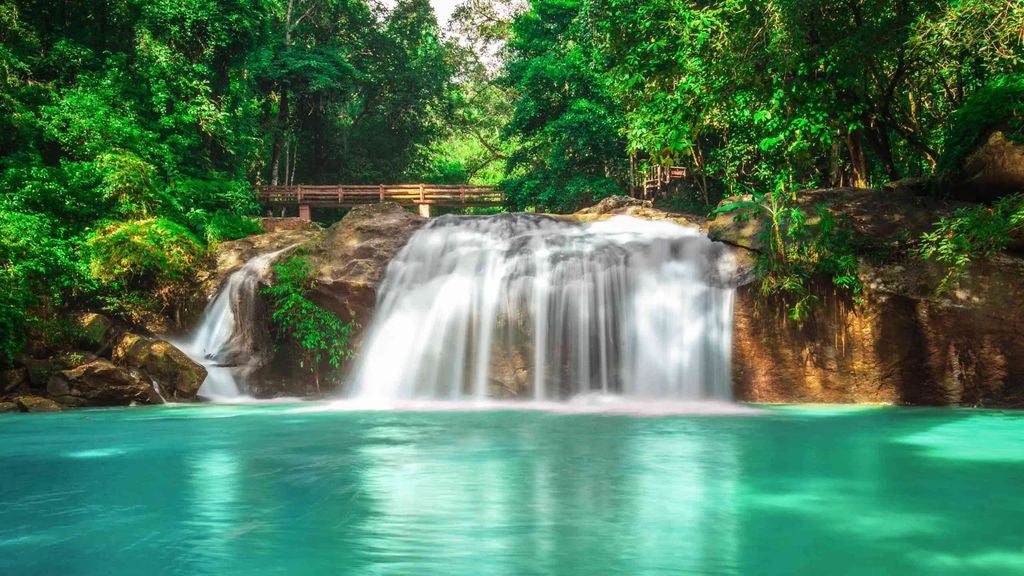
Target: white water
[(537, 309), (224, 341)]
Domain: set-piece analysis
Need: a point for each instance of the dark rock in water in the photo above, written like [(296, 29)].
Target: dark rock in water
[(36, 404), (178, 377), (100, 383), (8, 407)]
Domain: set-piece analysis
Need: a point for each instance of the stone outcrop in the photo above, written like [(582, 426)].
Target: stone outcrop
[(626, 206), (230, 256), (993, 170), (36, 404), (350, 259), (903, 344), (177, 377), (100, 383)]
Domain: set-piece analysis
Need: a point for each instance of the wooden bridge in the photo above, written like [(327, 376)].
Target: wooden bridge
[(346, 196)]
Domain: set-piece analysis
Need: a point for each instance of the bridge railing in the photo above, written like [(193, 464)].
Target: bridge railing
[(407, 194)]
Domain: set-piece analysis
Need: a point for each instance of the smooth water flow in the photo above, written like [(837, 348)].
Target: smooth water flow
[(527, 306), (225, 341)]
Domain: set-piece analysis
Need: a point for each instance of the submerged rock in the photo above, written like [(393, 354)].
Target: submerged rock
[(36, 404), (100, 383), (177, 376), (8, 407)]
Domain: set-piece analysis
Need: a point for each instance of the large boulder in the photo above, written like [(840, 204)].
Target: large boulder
[(36, 404), (100, 383), (993, 170), (230, 256), (350, 259), (626, 206), (903, 343), (176, 376)]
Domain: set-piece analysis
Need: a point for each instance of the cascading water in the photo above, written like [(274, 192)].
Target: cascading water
[(225, 340), (530, 307)]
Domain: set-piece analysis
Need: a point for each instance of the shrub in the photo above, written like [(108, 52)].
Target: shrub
[(144, 263), (799, 252), (971, 233), (999, 105), (318, 334)]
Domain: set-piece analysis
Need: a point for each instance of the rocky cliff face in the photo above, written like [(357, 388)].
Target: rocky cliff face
[(348, 261), (903, 344)]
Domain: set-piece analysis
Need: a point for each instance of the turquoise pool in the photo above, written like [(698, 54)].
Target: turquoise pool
[(282, 490)]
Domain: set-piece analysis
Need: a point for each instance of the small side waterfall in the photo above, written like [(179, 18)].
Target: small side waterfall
[(530, 307), (225, 340)]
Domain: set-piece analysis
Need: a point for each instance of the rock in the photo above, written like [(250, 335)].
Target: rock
[(626, 206), (36, 404), (915, 186), (8, 407), (13, 381), (903, 344), (350, 260), (97, 331), (285, 224), (177, 376), (995, 169), (741, 227), (100, 383), (613, 204), (230, 256)]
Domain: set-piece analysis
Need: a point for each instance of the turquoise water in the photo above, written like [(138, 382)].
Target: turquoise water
[(275, 490)]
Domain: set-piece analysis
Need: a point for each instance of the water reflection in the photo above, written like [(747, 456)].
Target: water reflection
[(534, 501)]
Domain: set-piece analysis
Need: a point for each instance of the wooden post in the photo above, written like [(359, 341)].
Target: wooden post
[(341, 195), (381, 193), (422, 199), (462, 194), (304, 212), (425, 210)]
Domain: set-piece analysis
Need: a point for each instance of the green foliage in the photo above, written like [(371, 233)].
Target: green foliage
[(319, 335), (800, 252), (972, 233), (36, 270), (999, 105), (132, 132), (143, 265)]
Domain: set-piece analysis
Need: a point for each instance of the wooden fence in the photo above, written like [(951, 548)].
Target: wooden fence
[(349, 195)]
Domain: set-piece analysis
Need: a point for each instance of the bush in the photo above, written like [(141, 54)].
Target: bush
[(317, 333), (800, 253), (971, 233), (146, 263), (999, 105), (36, 268)]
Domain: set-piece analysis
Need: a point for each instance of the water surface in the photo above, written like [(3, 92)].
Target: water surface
[(284, 490)]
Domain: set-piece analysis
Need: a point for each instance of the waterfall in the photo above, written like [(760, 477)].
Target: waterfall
[(536, 308), (227, 341)]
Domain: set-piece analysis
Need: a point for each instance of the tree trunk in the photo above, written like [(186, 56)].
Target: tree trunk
[(279, 129), (858, 163)]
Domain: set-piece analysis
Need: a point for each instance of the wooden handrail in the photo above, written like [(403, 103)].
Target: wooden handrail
[(343, 195)]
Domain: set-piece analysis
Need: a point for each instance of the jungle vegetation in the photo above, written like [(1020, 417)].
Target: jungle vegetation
[(132, 132)]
